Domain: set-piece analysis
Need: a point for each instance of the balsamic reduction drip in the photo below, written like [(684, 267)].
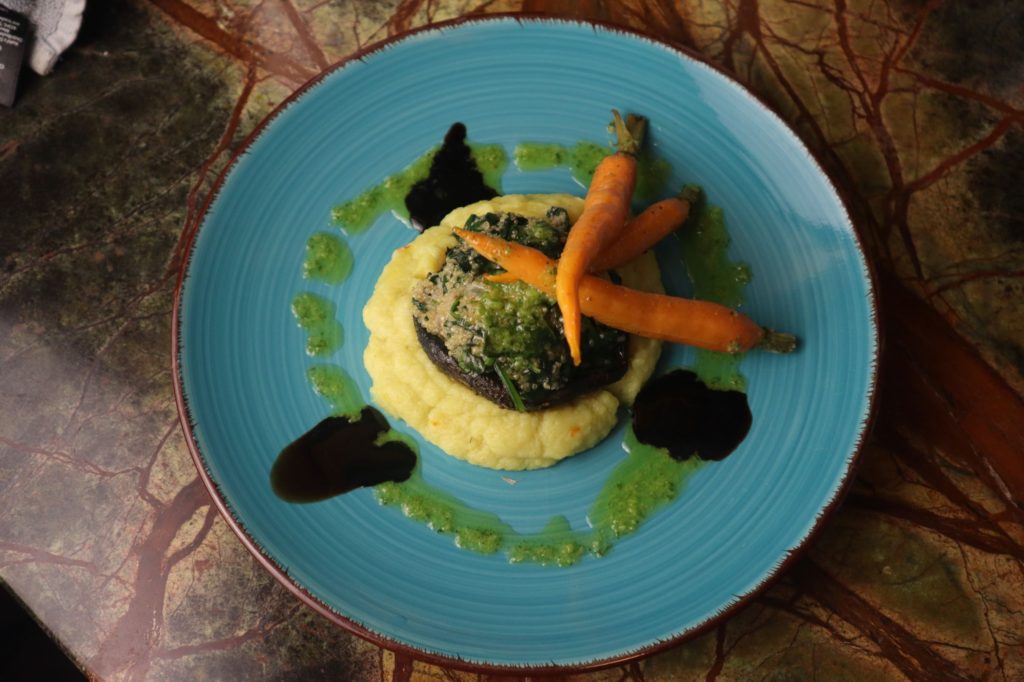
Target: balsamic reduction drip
[(454, 181), (338, 455), (679, 412)]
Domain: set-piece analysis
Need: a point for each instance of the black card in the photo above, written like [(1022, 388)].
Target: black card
[(13, 34)]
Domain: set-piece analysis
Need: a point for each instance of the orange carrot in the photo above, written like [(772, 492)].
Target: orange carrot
[(656, 222), (643, 232), (605, 210), (669, 318)]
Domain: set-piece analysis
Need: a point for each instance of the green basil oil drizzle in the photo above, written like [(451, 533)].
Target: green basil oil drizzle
[(472, 529), (644, 481), (356, 215), (582, 160)]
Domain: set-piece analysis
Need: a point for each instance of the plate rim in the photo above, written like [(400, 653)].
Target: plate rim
[(791, 555)]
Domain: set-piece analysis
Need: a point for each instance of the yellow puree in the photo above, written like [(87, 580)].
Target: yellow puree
[(407, 385)]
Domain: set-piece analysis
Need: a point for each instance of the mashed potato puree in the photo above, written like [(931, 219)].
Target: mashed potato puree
[(409, 386)]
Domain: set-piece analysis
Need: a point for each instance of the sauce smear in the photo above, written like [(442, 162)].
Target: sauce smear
[(582, 159), (680, 413), (454, 180), (338, 455)]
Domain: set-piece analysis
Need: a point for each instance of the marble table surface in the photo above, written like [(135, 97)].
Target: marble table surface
[(916, 109)]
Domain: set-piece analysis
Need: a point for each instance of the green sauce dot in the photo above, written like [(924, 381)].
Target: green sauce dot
[(334, 385), (315, 314), (328, 259)]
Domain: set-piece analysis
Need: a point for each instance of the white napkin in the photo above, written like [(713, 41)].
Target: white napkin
[(55, 24)]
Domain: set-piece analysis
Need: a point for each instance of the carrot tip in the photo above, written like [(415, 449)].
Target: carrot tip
[(778, 342), (575, 353)]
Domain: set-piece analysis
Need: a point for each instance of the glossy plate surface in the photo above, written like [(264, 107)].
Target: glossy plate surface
[(242, 362)]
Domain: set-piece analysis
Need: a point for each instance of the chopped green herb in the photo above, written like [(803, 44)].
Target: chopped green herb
[(511, 388)]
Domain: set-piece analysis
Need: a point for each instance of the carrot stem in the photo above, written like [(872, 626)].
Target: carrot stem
[(777, 342), (629, 134)]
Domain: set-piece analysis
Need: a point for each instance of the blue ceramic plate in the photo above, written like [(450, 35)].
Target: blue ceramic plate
[(241, 358)]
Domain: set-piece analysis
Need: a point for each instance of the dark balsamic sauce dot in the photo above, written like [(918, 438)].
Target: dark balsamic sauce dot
[(680, 413), (338, 455), (454, 181)]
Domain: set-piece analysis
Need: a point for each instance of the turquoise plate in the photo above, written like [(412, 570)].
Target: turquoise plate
[(240, 360)]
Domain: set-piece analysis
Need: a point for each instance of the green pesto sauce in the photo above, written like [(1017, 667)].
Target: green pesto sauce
[(704, 246), (643, 482), (474, 530), (646, 480), (328, 259), (315, 314), (333, 384), (516, 317), (582, 159), (356, 215)]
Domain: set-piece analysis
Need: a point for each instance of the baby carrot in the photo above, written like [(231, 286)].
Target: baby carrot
[(605, 210), (669, 318), (656, 222), (643, 232)]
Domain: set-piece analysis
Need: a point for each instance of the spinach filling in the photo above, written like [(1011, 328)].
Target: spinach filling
[(510, 331)]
